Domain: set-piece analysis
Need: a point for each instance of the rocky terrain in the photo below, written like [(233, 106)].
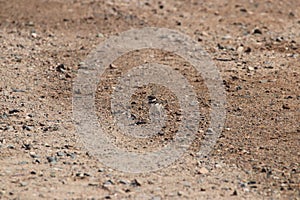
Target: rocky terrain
[(254, 44)]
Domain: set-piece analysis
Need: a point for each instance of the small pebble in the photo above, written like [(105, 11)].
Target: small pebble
[(240, 50), (203, 170), (22, 184), (72, 155), (60, 68), (34, 35), (250, 68), (101, 170), (27, 128), (234, 193), (52, 174), (108, 183), (135, 183), (99, 35), (10, 146), (51, 159), (33, 154), (60, 154), (33, 172), (23, 163), (93, 184), (13, 111), (257, 31), (124, 182), (285, 106)]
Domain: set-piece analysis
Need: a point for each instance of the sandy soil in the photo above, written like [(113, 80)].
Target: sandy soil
[(254, 44)]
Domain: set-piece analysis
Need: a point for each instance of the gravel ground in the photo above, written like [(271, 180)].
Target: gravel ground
[(255, 46)]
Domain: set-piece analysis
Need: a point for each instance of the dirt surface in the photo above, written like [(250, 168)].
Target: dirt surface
[(254, 44)]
